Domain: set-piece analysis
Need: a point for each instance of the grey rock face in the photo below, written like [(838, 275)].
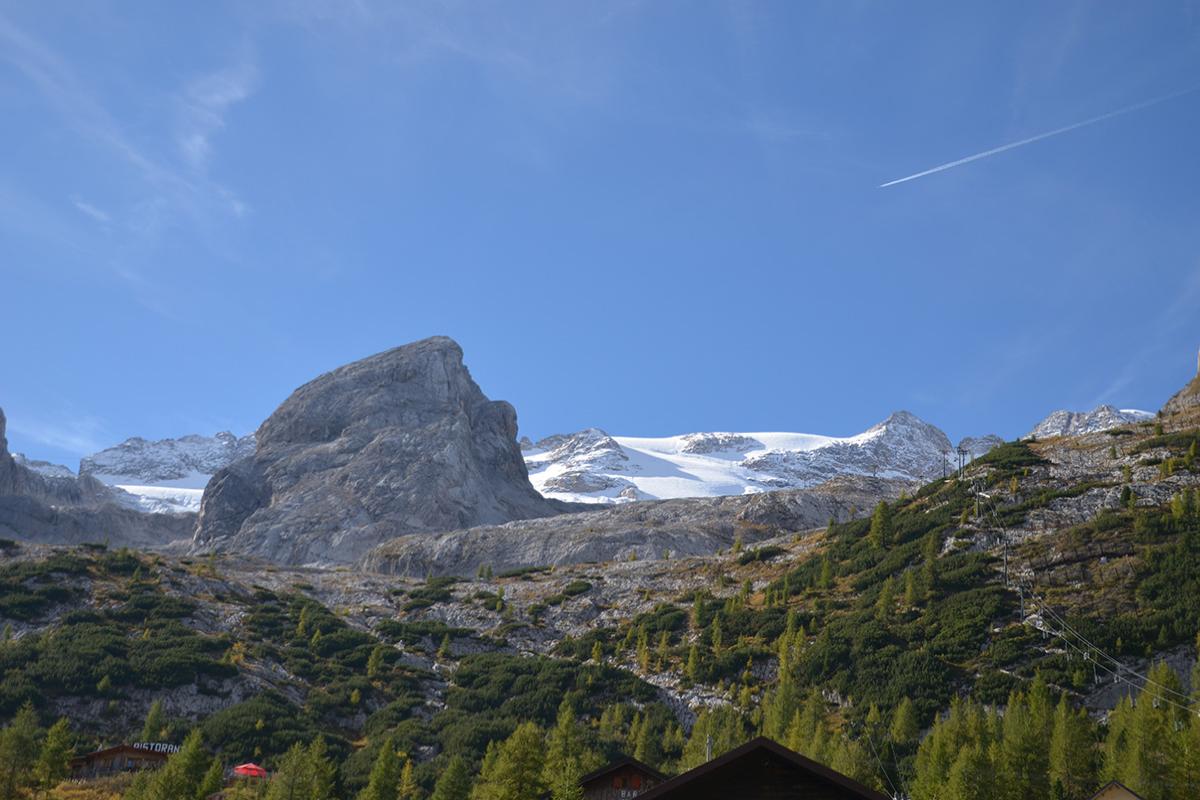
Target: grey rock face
[(400, 442), (1075, 423), (645, 530), (65, 510)]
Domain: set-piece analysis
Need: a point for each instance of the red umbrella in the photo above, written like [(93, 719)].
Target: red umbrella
[(249, 771)]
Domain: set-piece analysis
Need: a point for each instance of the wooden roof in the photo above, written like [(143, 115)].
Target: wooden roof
[(745, 762), (620, 763), (120, 748), (1115, 790)]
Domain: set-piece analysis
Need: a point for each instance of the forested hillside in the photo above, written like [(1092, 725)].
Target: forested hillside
[(969, 640)]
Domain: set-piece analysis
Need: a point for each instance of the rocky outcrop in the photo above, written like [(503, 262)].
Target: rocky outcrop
[(1077, 423), (645, 530), (35, 507), (401, 442)]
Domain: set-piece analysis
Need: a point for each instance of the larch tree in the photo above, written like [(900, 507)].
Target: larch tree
[(514, 769), (155, 727), (293, 777), (385, 774), (904, 729), (880, 534), (1072, 752), (53, 762), (18, 752), (455, 781)]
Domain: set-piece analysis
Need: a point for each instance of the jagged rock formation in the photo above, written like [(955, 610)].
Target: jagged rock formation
[(591, 466), (36, 507), (1077, 423), (400, 442), (646, 530)]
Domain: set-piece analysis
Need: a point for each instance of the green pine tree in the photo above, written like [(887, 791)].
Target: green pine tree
[(904, 728), (385, 774), (155, 727), (514, 771), (455, 781), (375, 661), (293, 777), (323, 770), (407, 789), (972, 776), (569, 756), (52, 764), (1072, 752), (214, 780), (880, 534)]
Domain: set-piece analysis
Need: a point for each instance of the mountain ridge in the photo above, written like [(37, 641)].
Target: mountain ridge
[(592, 466)]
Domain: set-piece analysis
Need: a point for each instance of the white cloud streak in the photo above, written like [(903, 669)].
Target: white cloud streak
[(80, 436), (205, 103), (1039, 137), (91, 210)]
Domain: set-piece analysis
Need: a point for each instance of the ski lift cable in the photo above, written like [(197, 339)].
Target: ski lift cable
[(1042, 607), (879, 763)]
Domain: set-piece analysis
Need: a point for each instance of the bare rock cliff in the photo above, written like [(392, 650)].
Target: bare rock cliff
[(398, 443)]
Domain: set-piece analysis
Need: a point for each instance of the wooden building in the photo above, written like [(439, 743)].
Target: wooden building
[(114, 760), (761, 770), (623, 779), (1116, 791)]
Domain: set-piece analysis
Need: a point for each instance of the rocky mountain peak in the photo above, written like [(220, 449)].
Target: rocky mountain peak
[(401, 442), (187, 461), (1074, 423)]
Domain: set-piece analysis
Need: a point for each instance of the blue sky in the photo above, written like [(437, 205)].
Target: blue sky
[(652, 217)]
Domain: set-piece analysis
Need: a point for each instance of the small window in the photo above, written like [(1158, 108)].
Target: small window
[(635, 781), (618, 782)]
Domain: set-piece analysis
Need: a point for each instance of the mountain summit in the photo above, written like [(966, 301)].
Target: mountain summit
[(401, 442), (1077, 423)]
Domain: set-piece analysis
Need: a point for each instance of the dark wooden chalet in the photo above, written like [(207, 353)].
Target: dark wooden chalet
[(622, 779), (761, 770), (1116, 791), (114, 760)]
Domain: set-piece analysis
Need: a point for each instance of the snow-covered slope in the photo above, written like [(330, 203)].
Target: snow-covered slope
[(168, 475), (591, 466), (1073, 423)]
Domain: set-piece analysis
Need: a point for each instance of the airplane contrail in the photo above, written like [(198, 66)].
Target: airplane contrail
[(1065, 129)]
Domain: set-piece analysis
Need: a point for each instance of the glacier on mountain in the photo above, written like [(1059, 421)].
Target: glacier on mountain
[(165, 475), (592, 466)]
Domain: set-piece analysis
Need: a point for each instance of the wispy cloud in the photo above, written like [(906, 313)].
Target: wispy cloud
[(1165, 325), (204, 105), (80, 435), (206, 102), (1039, 137), (91, 210)]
